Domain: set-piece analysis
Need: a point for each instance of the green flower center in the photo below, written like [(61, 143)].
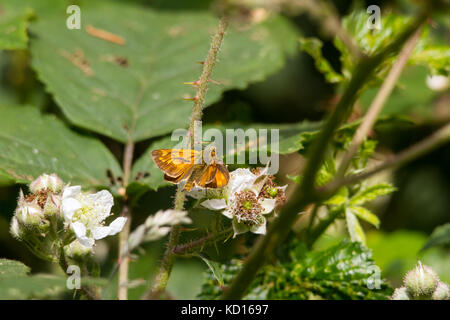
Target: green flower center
[(247, 204), (272, 192)]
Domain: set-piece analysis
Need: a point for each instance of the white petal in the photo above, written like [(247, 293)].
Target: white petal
[(228, 213), (157, 233), (80, 232), (268, 205), (214, 204), (239, 228), (79, 229), (69, 206), (240, 179), (103, 202), (87, 242), (261, 229), (117, 225), (101, 232), (70, 192)]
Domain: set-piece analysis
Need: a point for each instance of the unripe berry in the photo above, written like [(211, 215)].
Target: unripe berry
[(15, 228), (29, 213), (52, 205), (421, 281)]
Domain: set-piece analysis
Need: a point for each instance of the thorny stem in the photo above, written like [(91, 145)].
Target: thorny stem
[(199, 100), (208, 65), (276, 233), (124, 259), (192, 246), (379, 101), (430, 143)]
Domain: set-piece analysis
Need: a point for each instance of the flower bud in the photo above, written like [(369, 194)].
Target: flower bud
[(441, 292), (29, 213), (47, 182), (401, 294), (15, 229), (76, 250), (421, 281), (52, 205)]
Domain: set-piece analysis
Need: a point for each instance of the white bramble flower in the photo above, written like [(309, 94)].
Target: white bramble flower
[(157, 226), (85, 213), (246, 199)]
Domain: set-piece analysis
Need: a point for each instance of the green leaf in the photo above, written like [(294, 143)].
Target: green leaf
[(135, 91), (355, 230), (13, 27), (366, 215), (313, 47), (371, 193), (339, 198), (439, 237), (32, 144), (411, 96), (371, 41), (31, 287), (344, 271), (12, 269), (436, 58), (15, 283), (214, 267)]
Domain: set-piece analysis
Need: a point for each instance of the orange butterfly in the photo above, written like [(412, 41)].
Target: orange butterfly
[(200, 168)]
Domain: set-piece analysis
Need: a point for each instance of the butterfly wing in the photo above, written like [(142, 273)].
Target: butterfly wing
[(207, 175), (174, 162), (221, 177)]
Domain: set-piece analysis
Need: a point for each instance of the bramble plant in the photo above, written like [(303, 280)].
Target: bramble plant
[(86, 89)]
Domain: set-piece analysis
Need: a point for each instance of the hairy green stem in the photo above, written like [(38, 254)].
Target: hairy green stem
[(276, 233), (430, 143), (208, 65), (199, 100), (200, 243)]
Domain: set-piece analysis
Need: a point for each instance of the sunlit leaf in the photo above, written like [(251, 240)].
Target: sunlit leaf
[(313, 47), (365, 215), (371, 193), (355, 230)]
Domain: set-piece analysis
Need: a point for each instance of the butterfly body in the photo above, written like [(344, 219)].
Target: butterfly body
[(197, 168)]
